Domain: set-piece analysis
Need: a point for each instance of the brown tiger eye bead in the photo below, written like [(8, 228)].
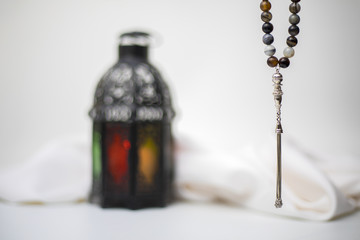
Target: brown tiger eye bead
[(284, 62), (272, 61), (265, 6)]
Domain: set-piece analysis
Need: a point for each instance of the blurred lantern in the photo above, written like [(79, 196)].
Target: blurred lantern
[(132, 141)]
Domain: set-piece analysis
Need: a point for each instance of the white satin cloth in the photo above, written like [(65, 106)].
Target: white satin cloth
[(314, 187)]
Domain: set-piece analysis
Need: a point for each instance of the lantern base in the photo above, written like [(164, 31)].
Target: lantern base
[(133, 203)]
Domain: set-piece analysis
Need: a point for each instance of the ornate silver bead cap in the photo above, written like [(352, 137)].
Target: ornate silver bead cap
[(277, 79)]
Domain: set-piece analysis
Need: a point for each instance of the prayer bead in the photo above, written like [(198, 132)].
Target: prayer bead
[(294, 30), (291, 41), (266, 16), (289, 52), (284, 62), (267, 27), (269, 50), (294, 8), (265, 6), (272, 61), (294, 19), (268, 39)]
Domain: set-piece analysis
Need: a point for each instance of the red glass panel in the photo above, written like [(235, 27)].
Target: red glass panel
[(118, 158)]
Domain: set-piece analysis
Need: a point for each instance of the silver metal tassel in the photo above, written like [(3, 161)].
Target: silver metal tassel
[(277, 79)]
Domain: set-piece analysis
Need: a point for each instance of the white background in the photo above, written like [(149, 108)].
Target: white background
[(52, 54)]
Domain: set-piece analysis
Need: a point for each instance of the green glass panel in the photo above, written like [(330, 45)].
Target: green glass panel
[(96, 155)]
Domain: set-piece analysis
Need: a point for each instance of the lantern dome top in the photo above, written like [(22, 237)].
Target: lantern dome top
[(132, 91)]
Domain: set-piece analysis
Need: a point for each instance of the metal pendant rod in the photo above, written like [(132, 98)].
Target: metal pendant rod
[(277, 79), (278, 201)]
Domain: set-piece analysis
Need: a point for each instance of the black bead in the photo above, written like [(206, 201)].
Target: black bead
[(268, 39), (284, 62), (291, 41), (294, 30), (295, 1), (267, 27), (294, 8), (266, 16)]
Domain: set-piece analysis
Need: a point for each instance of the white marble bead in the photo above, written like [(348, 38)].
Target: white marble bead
[(289, 52), (269, 50)]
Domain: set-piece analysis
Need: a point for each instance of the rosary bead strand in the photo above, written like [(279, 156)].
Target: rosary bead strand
[(268, 38), (283, 62)]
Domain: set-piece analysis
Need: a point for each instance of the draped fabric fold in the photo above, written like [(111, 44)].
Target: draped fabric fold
[(315, 186)]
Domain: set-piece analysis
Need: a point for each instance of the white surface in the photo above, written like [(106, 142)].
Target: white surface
[(54, 52), (180, 221)]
